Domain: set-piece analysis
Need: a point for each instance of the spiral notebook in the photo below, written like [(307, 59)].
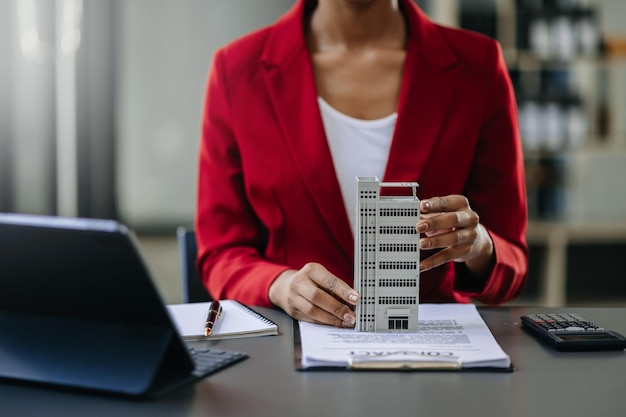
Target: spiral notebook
[(237, 320)]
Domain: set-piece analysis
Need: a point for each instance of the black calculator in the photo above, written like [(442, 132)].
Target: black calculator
[(572, 332)]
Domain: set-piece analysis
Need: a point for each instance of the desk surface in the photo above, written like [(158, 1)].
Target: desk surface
[(546, 383)]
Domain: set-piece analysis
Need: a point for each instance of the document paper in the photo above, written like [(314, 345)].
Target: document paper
[(446, 332)]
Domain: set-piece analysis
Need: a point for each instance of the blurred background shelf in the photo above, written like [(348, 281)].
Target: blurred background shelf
[(576, 263), (568, 67)]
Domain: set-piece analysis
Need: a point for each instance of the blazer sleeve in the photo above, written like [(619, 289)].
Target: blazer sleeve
[(229, 236), (496, 188)]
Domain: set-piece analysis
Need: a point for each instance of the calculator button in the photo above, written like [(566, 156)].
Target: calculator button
[(574, 329)]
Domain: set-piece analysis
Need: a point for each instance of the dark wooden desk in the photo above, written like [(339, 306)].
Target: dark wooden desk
[(546, 383)]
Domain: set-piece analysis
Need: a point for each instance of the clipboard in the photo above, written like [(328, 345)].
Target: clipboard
[(406, 364)]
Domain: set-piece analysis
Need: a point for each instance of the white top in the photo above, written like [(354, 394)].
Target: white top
[(358, 148)]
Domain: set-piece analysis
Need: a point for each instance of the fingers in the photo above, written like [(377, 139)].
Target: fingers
[(330, 283), (444, 204), (456, 243), (341, 316), (447, 223), (444, 256), (455, 237), (314, 294), (474, 247), (329, 296), (444, 214)]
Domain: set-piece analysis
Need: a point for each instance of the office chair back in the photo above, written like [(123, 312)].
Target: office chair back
[(193, 289)]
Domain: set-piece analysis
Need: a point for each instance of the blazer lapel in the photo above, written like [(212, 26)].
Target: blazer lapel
[(291, 87), (428, 89)]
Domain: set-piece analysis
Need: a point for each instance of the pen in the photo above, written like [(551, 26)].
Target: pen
[(215, 312)]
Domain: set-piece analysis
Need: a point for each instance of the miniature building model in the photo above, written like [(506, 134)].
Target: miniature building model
[(386, 264)]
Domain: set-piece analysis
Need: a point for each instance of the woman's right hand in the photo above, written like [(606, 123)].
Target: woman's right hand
[(315, 295)]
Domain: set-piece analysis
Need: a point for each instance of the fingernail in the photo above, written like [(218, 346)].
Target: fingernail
[(348, 318), (424, 243), (426, 205), (353, 297), (422, 227)]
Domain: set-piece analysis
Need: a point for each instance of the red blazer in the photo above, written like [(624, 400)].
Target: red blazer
[(268, 198)]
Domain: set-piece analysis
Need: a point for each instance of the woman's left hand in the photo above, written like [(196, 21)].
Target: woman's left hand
[(449, 223)]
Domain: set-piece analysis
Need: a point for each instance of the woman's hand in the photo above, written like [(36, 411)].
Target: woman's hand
[(450, 223), (314, 294)]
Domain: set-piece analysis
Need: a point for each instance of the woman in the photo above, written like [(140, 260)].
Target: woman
[(339, 88)]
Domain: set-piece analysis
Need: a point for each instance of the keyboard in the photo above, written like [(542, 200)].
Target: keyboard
[(211, 360)]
